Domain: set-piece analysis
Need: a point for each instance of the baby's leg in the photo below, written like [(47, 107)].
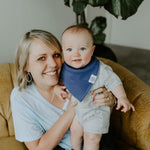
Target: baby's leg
[(92, 141), (76, 135)]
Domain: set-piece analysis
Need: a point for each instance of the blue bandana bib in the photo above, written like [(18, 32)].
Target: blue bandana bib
[(80, 81)]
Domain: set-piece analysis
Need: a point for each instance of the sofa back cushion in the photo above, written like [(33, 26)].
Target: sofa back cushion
[(6, 85)]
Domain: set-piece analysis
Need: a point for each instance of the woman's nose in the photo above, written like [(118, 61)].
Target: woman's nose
[(51, 62)]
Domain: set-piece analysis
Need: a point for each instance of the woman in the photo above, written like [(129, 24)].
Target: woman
[(35, 106)]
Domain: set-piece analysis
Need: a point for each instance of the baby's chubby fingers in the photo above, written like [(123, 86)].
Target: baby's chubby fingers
[(132, 107), (118, 106), (127, 108), (124, 109)]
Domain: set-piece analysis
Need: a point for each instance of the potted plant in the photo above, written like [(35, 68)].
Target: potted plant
[(119, 8)]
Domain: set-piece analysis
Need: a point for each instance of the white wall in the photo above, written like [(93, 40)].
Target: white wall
[(19, 16), (134, 32)]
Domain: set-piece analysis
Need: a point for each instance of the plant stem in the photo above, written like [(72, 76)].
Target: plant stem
[(83, 19), (77, 19)]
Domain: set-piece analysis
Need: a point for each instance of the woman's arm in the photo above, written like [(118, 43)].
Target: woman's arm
[(102, 97), (53, 136)]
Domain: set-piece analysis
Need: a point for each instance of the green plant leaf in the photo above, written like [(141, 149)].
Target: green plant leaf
[(96, 3), (98, 25), (67, 3), (79, 6), (122, 8), (99, 38)]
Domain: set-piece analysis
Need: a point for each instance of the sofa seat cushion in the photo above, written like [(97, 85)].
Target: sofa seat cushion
[(10, 143)]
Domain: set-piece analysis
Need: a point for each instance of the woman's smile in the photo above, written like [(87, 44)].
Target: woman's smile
[(50, 73)]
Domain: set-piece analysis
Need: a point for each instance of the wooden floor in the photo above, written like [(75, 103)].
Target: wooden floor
[(134, 59)]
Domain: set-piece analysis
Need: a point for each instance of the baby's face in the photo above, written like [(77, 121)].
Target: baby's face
[(77, 48)]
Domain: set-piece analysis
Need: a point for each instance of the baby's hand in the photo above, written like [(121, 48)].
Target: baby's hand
[(61, 92), (124, 104)]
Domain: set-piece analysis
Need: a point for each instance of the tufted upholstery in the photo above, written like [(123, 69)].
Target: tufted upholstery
[(131, 130)]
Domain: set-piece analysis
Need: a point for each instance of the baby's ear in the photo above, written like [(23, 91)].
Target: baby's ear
[(93, 48)]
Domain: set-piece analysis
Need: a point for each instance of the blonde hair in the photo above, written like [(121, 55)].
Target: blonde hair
[(22, 53)]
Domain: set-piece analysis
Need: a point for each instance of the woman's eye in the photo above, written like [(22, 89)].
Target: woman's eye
[(82, 48), (41, 58), (57, 55), (69, 49)]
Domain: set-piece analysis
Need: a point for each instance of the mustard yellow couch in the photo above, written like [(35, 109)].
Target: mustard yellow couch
[(131, 130)]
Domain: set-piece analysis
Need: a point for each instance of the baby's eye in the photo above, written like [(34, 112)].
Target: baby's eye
[(57, 55), (41, 58), (82, 48), (69, 49)]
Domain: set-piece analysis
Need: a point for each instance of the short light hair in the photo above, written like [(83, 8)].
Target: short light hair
[(23, 52), (78, 28)]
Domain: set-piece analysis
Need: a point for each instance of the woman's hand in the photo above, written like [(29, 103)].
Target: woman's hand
[(69, 106), (102, 97)]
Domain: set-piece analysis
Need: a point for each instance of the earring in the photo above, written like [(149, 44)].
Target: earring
[(29, 77)]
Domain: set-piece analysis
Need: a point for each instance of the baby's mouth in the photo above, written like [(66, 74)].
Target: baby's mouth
[(77, 60)]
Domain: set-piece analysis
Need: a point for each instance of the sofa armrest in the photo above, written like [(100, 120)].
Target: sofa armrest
[(132, 128)]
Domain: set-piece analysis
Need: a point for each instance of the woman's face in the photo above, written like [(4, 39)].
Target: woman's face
[(44, 63)]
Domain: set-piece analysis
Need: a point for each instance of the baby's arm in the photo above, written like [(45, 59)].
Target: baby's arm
[(123, 101)]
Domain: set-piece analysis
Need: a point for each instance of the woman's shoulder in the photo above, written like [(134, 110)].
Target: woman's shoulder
[(17, 94)]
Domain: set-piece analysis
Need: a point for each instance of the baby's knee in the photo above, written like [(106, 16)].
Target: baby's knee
[(92, 137), (76, 127), (73, 129), (76, 132)]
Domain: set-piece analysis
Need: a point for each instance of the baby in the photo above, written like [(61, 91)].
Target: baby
[(81, 74)]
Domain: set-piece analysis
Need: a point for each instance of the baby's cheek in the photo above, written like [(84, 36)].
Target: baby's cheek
[(67, 59), (87, 58)]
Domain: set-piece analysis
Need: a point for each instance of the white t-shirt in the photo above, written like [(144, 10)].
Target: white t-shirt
[(33, 115)]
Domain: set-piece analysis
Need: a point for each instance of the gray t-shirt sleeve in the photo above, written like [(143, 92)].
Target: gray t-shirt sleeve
[(110, 79)]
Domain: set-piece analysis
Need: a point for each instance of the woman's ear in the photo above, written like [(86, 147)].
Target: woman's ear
[(26, 68)]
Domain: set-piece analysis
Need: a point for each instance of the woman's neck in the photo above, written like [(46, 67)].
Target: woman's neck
[(47, 93), (51, 97)]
